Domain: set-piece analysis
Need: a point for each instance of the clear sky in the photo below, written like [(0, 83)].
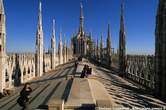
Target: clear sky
[(22, 18)]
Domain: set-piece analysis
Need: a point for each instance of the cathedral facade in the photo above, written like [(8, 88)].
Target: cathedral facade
[(81, 41)]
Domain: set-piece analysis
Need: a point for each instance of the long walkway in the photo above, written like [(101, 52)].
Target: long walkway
[(124, 93), (55, 84), (50, 85)]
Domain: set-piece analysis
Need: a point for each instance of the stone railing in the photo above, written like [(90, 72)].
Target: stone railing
[(140, 68), (20, 67)]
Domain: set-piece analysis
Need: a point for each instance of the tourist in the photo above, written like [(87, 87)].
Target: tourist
[(83, 72), (86, 70), (24, 95), (89, 72)]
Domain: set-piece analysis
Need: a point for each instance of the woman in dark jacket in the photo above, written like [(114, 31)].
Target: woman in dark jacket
[(24, 95), (83, 72)]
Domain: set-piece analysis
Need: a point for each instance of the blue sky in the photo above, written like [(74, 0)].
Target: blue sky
[(21, 22)]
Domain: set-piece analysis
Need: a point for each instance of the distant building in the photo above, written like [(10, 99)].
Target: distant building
[(81, 42)]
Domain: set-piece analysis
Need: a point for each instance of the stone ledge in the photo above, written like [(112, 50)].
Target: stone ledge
[(80, 95), (100, 94), (56, 104)]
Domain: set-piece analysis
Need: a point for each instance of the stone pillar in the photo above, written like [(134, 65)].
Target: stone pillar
[(64, 50), (101, 49), (53, 47), (97, 51), (10, 78), (2, 73), (85, 46), (160, 51), (109, 47), (66, 53), (2, 46), (34, 69), (60, 49), (22, 76), (39, 45)]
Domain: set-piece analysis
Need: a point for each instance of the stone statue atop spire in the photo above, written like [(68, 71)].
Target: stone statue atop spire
[(39, 44)]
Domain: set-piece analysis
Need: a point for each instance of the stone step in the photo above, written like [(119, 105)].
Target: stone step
[(72, 71), (40, 99), (13, 104), (58, 94), (10, 98), (47, 77), (16, 91), (64, 73), (43, 98), (46, 86), (80, 95), (58, 98), (59, 73), (49, 74), (16, 106), (100, 94)]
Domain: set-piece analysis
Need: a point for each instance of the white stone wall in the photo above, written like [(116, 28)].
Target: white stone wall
[(22, 67)]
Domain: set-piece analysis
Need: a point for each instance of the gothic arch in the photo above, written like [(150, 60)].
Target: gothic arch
[(29, 70), (13, 74), (6, 76), (24, 71), (32, 69)]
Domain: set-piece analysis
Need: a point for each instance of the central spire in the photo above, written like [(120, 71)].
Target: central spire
[(81, 29)]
